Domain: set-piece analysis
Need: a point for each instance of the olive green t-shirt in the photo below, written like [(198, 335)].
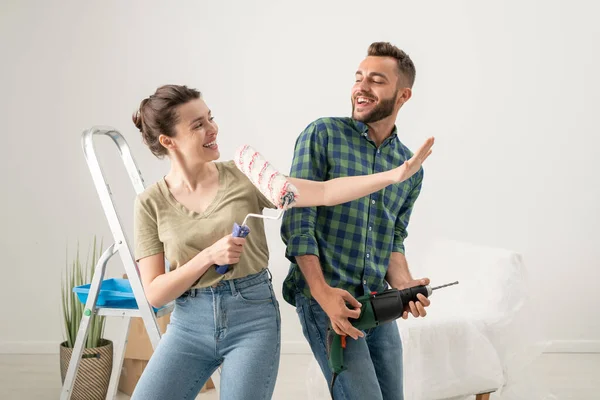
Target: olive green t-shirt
[(163, 225)]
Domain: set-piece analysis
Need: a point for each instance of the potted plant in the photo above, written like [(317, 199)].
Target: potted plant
[(93, 374)]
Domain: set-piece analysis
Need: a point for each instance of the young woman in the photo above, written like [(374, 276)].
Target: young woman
[(186, 217)]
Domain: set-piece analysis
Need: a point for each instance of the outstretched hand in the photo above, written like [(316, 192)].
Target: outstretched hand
[(411, 166)]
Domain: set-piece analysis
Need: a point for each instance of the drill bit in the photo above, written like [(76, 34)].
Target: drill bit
[(446, 285)]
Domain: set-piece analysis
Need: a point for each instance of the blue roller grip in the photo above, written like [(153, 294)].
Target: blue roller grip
[(238, 231)]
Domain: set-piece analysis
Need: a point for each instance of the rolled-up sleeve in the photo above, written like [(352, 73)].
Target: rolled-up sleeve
[(309, 162), (400, 229)]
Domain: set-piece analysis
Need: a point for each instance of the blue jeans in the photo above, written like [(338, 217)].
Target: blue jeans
[(236, 324), (374, 362)]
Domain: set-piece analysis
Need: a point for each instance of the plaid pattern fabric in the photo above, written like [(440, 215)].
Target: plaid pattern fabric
[(353, 240)]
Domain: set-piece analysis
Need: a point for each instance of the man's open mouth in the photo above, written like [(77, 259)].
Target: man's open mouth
[(364, 101)]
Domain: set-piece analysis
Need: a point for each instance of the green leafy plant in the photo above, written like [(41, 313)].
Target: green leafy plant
[(77, 274)]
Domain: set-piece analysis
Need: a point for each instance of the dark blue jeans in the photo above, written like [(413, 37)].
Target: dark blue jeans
[(374, 362)]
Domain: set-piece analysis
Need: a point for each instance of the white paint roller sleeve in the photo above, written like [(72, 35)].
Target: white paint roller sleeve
[(271, 183)]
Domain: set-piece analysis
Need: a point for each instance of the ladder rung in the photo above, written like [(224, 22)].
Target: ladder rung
[(132, 312)]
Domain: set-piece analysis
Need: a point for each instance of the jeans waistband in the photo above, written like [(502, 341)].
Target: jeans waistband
[(234, 285)]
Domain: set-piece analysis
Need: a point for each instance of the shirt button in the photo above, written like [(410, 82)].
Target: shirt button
[(364, 282), (378, 151), (370, 228), (372, 201), (367, 255)]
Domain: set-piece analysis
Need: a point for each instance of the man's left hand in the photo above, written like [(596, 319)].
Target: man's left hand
[(416, 308)]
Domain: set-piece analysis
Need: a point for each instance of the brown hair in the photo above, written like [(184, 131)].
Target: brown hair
[(157, 114), (406, 67)]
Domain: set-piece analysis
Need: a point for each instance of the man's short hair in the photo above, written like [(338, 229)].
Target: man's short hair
[(406, 67)]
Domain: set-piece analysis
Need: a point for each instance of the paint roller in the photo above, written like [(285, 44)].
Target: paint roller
[(271, 183)]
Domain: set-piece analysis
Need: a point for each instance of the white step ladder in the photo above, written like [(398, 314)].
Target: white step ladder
[(121, 246)]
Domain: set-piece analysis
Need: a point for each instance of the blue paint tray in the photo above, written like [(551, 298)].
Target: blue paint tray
[(114, 293)]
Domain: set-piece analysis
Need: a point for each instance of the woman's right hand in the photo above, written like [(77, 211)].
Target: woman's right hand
[(411, 166), (227, 250)]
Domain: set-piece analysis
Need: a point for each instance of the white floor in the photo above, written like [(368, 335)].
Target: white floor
[(25, 377)]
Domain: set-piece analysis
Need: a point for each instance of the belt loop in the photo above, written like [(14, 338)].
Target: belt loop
[(232, 286), (192, 292), (270, 276)]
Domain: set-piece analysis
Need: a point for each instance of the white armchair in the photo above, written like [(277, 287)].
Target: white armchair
[(477, 338)]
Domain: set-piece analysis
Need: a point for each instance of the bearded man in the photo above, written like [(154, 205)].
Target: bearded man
[(339, 253)]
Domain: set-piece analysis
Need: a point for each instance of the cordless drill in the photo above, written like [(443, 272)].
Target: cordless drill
[(376, 309)]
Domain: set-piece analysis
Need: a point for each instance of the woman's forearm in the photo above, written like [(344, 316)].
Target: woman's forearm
[(340, 190), (166, 287), (344, 189)]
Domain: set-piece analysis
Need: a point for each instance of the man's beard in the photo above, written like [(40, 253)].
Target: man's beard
[(384, 109)]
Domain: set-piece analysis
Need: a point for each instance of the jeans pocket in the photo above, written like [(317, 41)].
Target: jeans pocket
[(256, 294), (317, 311)]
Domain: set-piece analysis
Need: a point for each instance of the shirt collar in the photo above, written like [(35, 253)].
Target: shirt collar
[(363, 129)]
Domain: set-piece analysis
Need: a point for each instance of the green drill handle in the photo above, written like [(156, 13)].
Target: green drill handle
[(377, 309), (336, 343), (335, 351)]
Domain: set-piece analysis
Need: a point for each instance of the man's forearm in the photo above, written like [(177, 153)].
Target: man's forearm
[(398, 273), (313, 274)]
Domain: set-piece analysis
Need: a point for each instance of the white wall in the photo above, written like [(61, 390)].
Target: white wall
[(508, 89)]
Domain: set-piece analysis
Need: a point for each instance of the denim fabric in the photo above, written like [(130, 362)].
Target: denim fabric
[(374, 362), (236, 324)]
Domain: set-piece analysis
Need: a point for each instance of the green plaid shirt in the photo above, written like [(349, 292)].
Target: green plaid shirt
[(353, 240)]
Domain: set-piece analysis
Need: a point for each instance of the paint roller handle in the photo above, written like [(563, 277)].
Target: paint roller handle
[(238, 231)]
